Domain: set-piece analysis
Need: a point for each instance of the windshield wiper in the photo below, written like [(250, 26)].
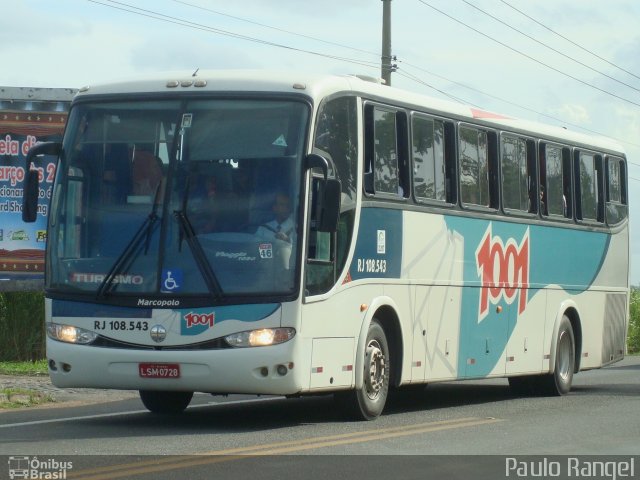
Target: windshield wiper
[(127, 255), (188, 233), (200, 257)]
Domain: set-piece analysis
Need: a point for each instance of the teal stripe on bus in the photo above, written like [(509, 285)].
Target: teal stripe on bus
[(568, 257)]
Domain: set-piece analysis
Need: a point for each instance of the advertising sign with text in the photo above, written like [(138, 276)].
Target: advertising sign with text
[(27, 116)]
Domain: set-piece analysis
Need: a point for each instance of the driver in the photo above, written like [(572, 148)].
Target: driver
[(282, 227)]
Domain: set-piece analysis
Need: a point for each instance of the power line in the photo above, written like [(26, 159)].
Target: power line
[(569, 40), (185, 23), (309, 37), (529, 56), (422, 82), (549, 47), (563, 122), (466, 102), (198, 26)]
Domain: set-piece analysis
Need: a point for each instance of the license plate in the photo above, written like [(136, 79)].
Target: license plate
[(159, 370)]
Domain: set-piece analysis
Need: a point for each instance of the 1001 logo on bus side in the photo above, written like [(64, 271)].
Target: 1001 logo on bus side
[(503, 270)]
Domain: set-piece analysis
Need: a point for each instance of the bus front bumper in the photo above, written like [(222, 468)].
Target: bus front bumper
[(259, 370)]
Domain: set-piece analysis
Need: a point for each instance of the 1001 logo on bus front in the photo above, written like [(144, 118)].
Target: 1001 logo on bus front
[(194, 323), (503, 270)]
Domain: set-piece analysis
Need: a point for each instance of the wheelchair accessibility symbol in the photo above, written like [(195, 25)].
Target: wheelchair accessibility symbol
[(171, 281)]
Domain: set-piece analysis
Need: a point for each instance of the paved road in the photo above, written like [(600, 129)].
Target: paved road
[(247, 434)]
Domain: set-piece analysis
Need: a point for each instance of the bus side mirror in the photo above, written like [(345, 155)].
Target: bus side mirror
[(30, 196), (327, 192), (31, 180), (330, 206), (314, 160)]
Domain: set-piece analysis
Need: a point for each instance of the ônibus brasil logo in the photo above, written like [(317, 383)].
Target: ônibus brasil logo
[(503, 270), (194, 323)]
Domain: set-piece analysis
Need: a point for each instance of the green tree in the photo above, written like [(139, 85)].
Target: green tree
[(22, 326)]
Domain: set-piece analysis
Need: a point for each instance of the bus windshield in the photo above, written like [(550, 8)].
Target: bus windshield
[(166, 197)]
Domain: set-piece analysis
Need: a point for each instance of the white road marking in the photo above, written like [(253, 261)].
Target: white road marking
[(132, 412)]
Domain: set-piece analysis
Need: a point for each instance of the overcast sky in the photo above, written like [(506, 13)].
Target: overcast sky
[(443, 47)]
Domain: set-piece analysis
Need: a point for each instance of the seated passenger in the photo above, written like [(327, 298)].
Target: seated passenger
[(146, 173)]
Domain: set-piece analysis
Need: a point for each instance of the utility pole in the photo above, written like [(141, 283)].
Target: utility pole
[(386, 42)]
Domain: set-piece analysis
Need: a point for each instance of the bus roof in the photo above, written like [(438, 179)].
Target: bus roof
[(317, 87)]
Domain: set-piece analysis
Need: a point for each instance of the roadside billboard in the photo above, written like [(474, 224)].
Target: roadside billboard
[(27, 116)]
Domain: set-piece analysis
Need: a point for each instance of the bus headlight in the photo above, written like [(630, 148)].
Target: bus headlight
[(260, 338), (70, 334)]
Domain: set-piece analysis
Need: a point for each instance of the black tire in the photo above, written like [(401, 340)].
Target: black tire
[(559, 382), (368, 402), (165, 403)]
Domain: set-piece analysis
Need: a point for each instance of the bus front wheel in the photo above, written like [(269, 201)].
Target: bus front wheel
[(165, 403), (367, 402)]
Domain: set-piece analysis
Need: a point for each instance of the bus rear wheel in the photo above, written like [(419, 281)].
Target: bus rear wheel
[(165, 403), (367, 402), (559, 382)]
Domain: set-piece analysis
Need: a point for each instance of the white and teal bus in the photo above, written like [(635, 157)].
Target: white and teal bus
[(425, 241)]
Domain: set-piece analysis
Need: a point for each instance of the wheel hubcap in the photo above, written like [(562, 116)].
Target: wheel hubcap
[(564, 356), (374, 380)]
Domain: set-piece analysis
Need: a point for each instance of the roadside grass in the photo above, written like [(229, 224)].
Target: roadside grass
[(31, 369), (20, 398)]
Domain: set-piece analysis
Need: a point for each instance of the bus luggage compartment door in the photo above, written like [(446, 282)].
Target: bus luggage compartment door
[(332, 363)]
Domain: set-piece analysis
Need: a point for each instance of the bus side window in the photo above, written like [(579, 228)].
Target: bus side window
[(430, 180), (517, 161), (477, 156), (450, 164), (555, 179), (616, 195), (368, 151), (336, 138), (566, 183), (600, 187), (542, 182), (386, 152), (533, 177), (588, 174), (402, 130)]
